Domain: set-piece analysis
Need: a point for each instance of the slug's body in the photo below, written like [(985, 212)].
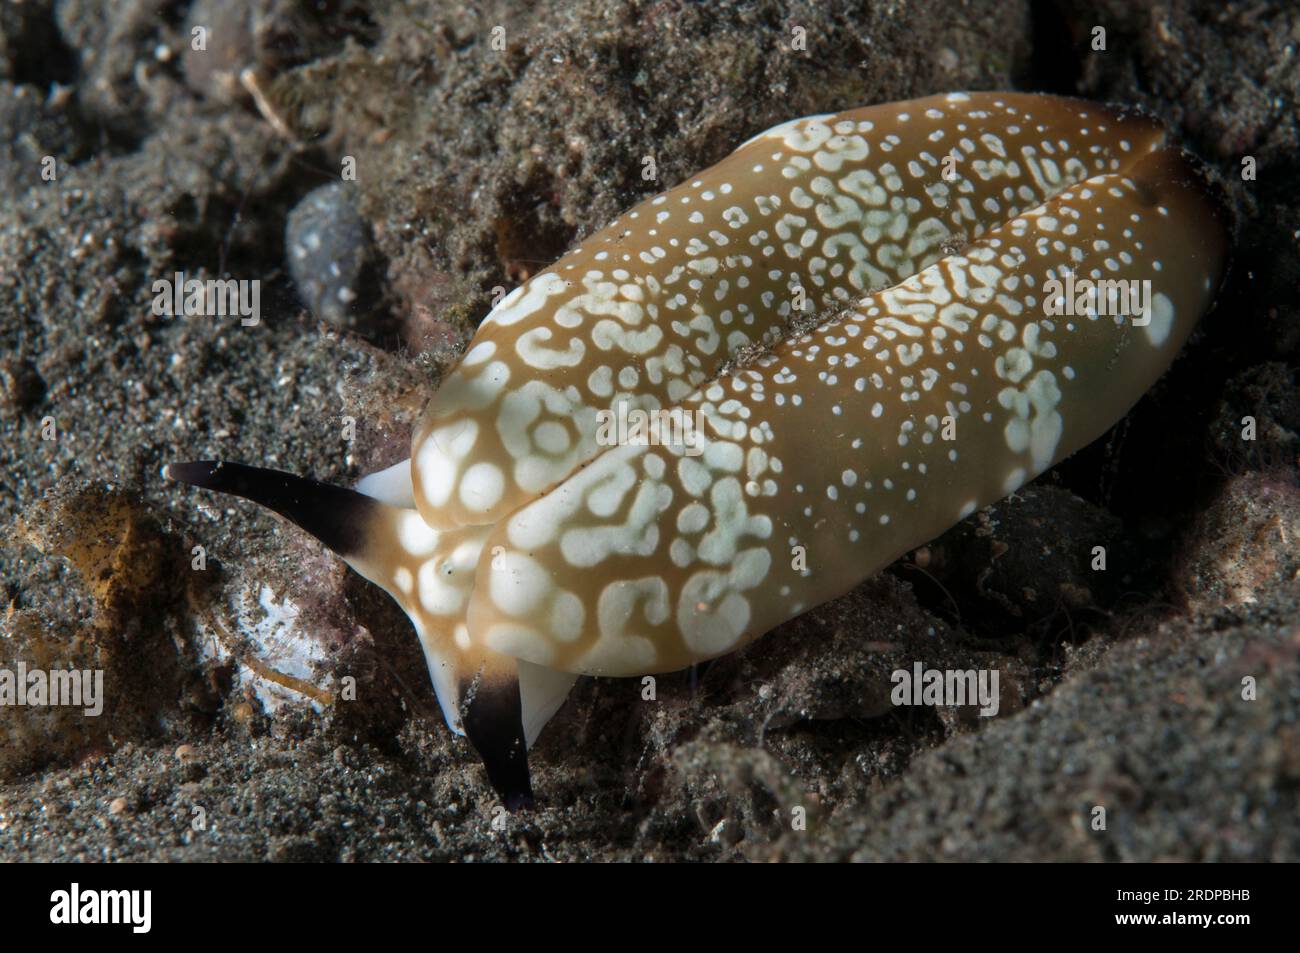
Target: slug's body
[(931, 240)]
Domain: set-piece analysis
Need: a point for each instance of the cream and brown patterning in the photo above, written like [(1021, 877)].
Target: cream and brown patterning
[(809, 216), (844, 447)]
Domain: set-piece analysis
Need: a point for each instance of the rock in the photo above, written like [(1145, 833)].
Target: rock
[(40, 136), (99, 635), (1245, 547), (31, 50), (221, 37), (326, 243), (113, 543), (1025, 562), (20, 386)]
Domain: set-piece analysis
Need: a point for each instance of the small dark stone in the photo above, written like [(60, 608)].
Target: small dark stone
[(31, 50), (326, 241), (20, 386)]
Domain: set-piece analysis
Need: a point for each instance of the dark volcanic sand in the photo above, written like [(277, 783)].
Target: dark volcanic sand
[(475, 168)]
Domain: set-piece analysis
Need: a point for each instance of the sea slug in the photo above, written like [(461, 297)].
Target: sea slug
[(978, 285)]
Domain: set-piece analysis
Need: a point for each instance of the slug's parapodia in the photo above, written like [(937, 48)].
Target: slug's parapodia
[(932, 236)]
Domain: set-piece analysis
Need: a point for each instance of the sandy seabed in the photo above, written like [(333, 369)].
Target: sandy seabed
[(224, 733)]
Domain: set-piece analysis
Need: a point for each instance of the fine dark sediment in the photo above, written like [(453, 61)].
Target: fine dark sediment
[(288, 699)]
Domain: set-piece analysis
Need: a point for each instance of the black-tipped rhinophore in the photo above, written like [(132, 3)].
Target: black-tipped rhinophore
[(335, 515), (492, 712), (492, 716)]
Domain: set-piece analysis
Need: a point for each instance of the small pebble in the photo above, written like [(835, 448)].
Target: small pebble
[(325, 240)]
